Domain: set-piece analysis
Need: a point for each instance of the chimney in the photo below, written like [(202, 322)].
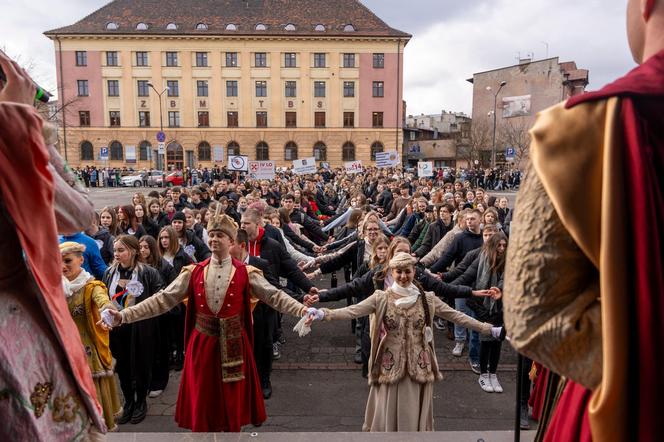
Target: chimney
[(524, 60)]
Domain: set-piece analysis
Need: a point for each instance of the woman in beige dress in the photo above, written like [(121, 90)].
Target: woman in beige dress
[(402, 364)]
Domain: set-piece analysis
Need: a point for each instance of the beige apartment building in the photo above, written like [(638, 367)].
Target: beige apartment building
[(269, 79)]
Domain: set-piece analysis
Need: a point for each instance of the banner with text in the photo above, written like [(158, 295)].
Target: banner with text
[(261, 170), (304, 166), (387, 159), (425, 168), (353, 166)]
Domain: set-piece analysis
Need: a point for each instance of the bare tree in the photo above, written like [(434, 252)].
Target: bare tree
[(479, 139), (513, 133)]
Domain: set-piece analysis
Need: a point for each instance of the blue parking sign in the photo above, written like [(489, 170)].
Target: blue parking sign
[(103, 153)]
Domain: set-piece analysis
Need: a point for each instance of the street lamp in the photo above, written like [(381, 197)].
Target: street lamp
[(495, 100), (161, 116)]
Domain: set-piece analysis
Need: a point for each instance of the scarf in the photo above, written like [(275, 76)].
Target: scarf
[(71, 287), (408, 295), (112, 287)]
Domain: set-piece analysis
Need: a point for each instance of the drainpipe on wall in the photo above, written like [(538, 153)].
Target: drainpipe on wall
[(61, 97)]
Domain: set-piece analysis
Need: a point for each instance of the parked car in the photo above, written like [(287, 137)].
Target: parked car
[(136, 179), (174, 179)]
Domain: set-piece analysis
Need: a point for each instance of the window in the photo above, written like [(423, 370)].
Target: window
[(143, 88), (81, 58), (320, 151), (261, 27), (291, 89), (378, 89), (231, 88), (112, 26), (291, 119), (171, 27), (319, 88), (262, 151), (289, 27), (231, 59), (348, 152), (144, 151), (349, 88), (203, 119), (201, 27), (319, 119), (379, 61), (290, 60), (261, 119), (349, 119), (114, 117), (232, 119), (142, 27), (141, 59), (201, 59), (260, 59), (349, 60), (144, 118), (84, 118), (204, 151), (377, 119), (111, 58), (261, 88), (349, 28), (231, 27), (319, 60), (173, 88), (173, 119), (87, 151), (290, 151), (233, 148), (319, 28), (201, 88), (171, 59), (375, 148), (117, 152), (82, 88), (113, 88)]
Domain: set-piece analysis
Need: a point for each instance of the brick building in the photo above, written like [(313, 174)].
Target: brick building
[(270, 79), (529, 87)]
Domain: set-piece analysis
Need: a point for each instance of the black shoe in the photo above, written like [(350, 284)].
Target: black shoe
[(179, 362), (267, 390), (365, 370), (140, 411), (357, 358), (127, 411)]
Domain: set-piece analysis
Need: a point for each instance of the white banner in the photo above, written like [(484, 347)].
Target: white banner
[(130, 154), (353, 166), (387, 159), (238, 163), (161, 148), (218, 154), (261, 170), (304, 166), (425, 168)]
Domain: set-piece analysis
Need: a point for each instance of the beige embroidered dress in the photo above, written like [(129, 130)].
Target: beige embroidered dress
[(402, 366)]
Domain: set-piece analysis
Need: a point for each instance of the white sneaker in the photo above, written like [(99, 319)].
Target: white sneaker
[(485, 383), (156, 393), (495, 384), (458, 348)]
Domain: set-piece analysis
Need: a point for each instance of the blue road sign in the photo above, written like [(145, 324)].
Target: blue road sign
[(103, 153), (161, 137)]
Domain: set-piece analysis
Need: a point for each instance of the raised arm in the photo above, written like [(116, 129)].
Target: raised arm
[(355, 311)]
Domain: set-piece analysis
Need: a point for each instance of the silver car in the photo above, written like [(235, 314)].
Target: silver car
[(136, 180)]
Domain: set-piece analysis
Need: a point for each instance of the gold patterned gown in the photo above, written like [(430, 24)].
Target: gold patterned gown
[(85, 306)]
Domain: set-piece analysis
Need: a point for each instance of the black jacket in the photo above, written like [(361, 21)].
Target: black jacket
[(273, 232), (486, 310), (295, 239), (416, 231), (435, 233), (311, 227), (462, 244), (201, 251), (384, 200), (181, 259), (461, 268), (281, 263), (104, 240), (353, 256), (151, 227), (167, 272)]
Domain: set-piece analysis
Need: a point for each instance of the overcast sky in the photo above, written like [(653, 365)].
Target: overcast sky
[(451, 40)]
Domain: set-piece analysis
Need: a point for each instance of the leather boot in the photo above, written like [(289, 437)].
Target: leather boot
[(140, 411), (127, 411)]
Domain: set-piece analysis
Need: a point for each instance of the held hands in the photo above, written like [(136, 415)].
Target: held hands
[(496, 293), (482, 293), (311, 297), (314, 314), (110, 318), (498, 333)]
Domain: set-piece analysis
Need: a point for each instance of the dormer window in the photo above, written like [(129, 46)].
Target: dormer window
[(261, 27), (142, 27), (201, 27), (231, 27), (319, 28), (289, 27), (171, 27), (112, 26), (349, 28)]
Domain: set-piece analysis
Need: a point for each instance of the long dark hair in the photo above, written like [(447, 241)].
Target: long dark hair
[(425, 303), (490, 248), (131, 220), (154, 260)]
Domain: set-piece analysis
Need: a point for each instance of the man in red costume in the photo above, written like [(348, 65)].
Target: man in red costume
[(220, 388), (584, 286)]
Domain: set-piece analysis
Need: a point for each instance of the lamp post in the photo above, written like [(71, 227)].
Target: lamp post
[(495, 103), (161, 116)]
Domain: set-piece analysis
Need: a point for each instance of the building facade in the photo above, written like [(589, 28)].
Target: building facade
[(516, 94), (270, 79), (440, 138)]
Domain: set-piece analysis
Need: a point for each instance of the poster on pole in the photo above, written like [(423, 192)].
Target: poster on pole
[(130, 152), (103, 153), (304, 166), (353, 166), (218, 154), (425, 168), (238, 163), (387, 159), (261, 170)]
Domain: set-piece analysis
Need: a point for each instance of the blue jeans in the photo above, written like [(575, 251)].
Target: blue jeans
[(460, 332)]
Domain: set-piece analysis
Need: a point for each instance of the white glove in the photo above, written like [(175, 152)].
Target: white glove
[(496, 332), (315, 313)]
